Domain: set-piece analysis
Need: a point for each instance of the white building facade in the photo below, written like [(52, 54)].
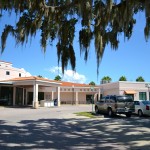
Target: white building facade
[(7, 71)]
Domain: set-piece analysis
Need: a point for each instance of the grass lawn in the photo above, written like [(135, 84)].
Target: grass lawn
[(86, 114)]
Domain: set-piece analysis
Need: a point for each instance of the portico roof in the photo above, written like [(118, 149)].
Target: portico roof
[(26, 81), (31, 81)]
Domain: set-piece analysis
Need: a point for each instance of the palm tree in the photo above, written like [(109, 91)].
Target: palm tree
[(106, 79), (122, 78), (58, 78), (140, 79), (92, 83)]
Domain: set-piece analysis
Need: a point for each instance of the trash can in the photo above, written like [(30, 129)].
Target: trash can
[(55, 102)]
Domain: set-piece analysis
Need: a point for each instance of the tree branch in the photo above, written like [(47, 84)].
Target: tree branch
[(75, 2)]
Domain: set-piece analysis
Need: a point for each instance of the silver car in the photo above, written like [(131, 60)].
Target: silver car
[(142, 107)]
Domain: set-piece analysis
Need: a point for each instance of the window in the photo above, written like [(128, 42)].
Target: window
[(136, 103), (142, 96), (19, 74), (7, 73)]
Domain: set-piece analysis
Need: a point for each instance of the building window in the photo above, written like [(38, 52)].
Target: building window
[(142, 96), (19, 74), (7, 73)]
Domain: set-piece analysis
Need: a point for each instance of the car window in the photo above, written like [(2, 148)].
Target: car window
[(102, 101), (113, 98), (124, 99), (107, 97), (146, 102), (136, 103)]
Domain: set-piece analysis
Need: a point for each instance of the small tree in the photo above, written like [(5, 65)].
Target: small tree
[(106, 79), (92, 83), (40, 76), (140, 79), (122, 78), (58, 78)]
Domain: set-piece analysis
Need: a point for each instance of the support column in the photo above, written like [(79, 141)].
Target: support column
[(52, 95), (35, 95), (14, 96), (58, 95), (77, 100), (99, 94)]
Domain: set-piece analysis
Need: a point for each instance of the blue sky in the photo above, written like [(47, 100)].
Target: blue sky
[(130, 60)]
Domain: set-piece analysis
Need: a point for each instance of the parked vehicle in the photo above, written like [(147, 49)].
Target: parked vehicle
[(142, 107), (113, 104), (3, 101)]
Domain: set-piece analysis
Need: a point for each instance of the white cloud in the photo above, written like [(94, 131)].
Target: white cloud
[(55, 70), (69, 75), (28, 74)]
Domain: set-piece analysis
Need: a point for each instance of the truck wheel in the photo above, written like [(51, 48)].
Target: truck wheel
[(110, 113), (140, 113), (96, 110)]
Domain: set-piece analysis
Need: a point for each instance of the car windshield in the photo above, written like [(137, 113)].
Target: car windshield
[(146, 102), (124, 99)]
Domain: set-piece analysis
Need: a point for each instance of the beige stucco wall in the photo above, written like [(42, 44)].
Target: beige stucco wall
[(109, 89), (119, 88), (136, 86)]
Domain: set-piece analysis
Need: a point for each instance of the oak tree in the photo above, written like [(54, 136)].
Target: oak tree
[(99, 20)]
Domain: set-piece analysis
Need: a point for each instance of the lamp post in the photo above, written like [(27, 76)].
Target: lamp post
[(148, 86)]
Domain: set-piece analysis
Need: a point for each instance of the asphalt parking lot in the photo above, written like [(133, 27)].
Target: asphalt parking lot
[(59, 128)]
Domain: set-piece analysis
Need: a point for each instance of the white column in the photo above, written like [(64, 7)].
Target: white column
[(77, 101), (58, 95), (14, 95), (52, 95), (35, 95), (99, 94)]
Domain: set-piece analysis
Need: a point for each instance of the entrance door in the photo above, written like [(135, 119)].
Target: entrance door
[(89, 99), (30, 97), (19, 96), (40, 96)]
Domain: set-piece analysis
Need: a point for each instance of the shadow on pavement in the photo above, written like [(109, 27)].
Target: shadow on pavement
[(107, 133)]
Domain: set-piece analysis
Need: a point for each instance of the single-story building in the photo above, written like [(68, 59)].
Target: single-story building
[(138, 90), (18, 87), (32, 90)]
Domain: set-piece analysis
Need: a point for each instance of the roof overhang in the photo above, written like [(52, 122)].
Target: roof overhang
[(30, 82), (5, 83), (130, 92), (33, 82)]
